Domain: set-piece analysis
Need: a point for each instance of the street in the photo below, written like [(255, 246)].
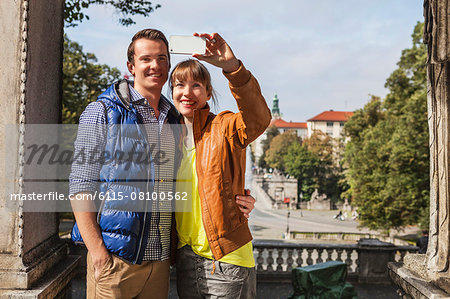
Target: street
[(267, 223), (271, 224)]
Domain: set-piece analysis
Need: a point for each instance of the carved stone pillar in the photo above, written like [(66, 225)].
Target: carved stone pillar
[(437, 36), (438, 105), (33, 260), (428, 276)]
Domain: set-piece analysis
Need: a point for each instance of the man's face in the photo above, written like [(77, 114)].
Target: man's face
[(151, 65)]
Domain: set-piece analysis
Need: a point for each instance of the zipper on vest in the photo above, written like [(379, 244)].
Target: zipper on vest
[(145, 213), (145, 221), (142, 234)]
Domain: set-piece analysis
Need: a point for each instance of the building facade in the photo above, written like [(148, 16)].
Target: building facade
[(329, 122)]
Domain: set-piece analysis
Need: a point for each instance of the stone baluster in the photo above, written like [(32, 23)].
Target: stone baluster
[(355, 260), (348, 259), (309, 260), (329, 254), (289, 260), (280, 260), (319, 256), (339, 254), (260, 260), (300, 257), (270, 261)]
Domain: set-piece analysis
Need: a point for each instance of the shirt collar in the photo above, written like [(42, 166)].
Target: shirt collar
[(137, 98)]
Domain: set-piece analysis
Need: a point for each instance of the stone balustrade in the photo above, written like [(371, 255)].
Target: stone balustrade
[(366, 261), (319, 237)]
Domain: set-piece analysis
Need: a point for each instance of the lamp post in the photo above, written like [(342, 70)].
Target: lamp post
[(300, 206), (288, 236)]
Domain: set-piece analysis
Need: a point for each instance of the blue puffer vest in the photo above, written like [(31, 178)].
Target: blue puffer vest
[(128, 172)]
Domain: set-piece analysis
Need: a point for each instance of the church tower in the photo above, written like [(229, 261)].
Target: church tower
[(275, 108)]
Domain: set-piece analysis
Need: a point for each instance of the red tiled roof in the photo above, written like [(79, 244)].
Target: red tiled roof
[(332, 116), (279, 123)]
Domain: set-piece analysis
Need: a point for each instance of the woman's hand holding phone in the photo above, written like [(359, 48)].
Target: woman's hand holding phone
[(218, 53)]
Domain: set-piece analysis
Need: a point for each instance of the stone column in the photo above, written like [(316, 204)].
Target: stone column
[(33, 260), (428, 276), (437, 36), (437, 258)]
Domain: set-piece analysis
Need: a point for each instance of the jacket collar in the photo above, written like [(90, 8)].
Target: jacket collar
[(201, 117), (123, 93)]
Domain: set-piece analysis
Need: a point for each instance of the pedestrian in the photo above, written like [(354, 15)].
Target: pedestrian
[(338, 215), (422, 242)]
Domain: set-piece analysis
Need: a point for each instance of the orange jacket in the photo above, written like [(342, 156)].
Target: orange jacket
[(220, 142)]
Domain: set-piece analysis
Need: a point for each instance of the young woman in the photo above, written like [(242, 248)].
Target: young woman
[(215, 254)]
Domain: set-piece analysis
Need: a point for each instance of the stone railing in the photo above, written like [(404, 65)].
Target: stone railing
[(366, 261), (341, 236)]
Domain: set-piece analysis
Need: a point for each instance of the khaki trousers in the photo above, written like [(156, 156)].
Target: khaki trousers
[(120, 279)]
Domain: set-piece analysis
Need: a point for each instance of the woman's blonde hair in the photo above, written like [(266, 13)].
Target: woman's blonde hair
[(194, 70)]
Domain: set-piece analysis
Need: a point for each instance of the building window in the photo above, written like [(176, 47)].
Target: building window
[(330, 124), (342, 124)]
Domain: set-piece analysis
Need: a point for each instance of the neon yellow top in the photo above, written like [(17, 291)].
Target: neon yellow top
[(190, 224)]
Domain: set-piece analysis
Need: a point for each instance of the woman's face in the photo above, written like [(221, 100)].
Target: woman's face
[(189, 95)]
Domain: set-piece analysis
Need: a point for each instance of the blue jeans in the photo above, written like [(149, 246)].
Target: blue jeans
[(194, 278)]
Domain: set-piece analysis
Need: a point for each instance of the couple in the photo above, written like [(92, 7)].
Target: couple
[(130, 251)]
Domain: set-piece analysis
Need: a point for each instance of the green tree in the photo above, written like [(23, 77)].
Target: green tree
[(321, 145), (305, 166), (363, 119), (83, 80), (314, 166), (388, 155), (278, 148), (357, 162), (271, 132), (73, 10)]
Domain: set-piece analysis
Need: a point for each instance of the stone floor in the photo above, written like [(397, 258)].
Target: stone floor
[(271, 224), (269, 290)]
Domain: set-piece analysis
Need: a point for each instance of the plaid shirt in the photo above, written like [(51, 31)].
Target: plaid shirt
[(84, 176)]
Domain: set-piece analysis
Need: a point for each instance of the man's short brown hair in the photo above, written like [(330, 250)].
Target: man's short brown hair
[(151, 34)]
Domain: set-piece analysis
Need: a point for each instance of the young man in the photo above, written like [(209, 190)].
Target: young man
[(129, 249)]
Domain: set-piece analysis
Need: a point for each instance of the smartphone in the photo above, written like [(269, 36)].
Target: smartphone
[(187, 44)]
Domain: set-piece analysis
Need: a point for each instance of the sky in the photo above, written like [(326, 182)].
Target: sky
[(315, 55)]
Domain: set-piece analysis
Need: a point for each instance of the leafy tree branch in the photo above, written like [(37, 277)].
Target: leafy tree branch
[(73, 10)]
